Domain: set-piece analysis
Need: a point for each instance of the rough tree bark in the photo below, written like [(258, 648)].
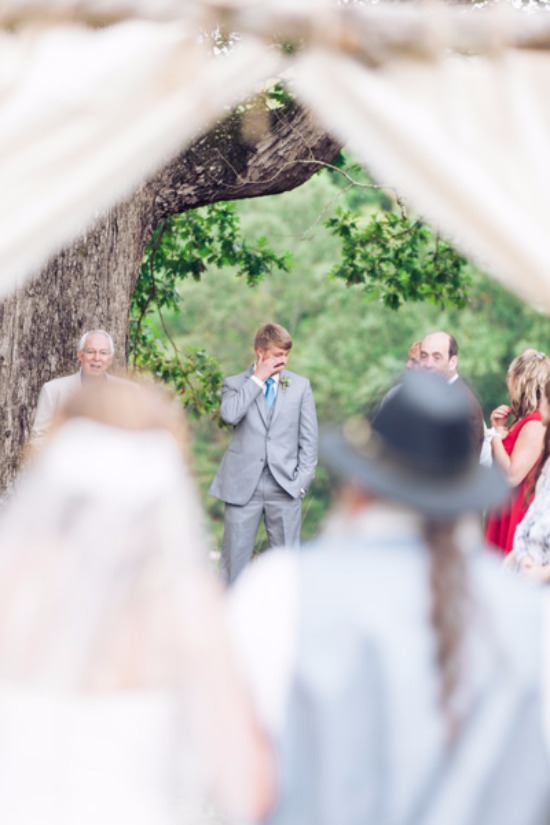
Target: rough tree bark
[(90, 284)]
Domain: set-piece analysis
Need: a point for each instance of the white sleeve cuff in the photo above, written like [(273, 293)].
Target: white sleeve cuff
[(258, 381)]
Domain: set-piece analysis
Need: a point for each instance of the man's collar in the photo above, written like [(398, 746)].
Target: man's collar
[(453, 379)]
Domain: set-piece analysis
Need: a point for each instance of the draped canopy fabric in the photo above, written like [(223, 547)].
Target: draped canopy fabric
[(466, 140), (448, 106), (87, 114)]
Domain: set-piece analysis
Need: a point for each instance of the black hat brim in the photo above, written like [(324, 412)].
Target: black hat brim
[(476, 489)]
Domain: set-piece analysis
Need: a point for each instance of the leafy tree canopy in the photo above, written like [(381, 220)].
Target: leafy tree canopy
[(397, 259), (393, 257)]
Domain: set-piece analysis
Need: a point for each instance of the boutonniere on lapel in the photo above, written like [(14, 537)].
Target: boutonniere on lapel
[(285, 383)]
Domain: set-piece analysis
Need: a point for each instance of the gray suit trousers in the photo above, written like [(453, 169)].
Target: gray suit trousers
[(282, 517)]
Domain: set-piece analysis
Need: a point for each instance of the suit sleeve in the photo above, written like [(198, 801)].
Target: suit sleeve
[(43, 418), (477, 421), (236, 400), (308, 439)]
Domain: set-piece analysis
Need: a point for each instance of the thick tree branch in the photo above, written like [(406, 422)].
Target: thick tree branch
[(222, 165)]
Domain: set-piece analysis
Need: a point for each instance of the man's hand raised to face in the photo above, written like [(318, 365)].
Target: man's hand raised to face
[(270, 362)]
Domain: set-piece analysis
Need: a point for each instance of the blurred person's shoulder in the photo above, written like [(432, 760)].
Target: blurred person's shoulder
[(123, 380), (63, 380), (510, 606), (265, 580), (263, 608)]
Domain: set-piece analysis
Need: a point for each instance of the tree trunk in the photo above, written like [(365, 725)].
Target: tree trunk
[(90, 284)]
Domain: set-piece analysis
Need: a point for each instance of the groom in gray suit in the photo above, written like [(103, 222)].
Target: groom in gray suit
[(271, 460)]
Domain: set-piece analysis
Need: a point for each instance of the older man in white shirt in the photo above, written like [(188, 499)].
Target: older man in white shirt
[(95, 353)]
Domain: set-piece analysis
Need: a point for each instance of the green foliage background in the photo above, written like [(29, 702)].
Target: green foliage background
[(350, 340)]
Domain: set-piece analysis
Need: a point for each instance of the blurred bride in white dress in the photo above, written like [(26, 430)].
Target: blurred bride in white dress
[(119, 701)]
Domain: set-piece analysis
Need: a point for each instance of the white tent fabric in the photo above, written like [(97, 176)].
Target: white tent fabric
[(87, 114), (465, 139), (95, 12)]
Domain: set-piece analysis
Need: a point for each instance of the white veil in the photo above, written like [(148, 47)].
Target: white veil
[(102, 518), (105, 586)]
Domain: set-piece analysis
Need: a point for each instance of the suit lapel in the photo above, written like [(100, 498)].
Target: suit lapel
[(279, 399), (260, 402), (262, 409)]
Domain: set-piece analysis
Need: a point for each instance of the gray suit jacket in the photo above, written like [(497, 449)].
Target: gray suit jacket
[(285, 439), (53, 395)]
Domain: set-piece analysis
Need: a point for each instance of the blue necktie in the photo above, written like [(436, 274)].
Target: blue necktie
[(269, 392)]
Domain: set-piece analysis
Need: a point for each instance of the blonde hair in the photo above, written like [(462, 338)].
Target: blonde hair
[(272, 335), (129, 405), (526, 377), (450, 608)]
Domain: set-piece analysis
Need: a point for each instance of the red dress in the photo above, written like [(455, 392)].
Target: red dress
[(501, 524)]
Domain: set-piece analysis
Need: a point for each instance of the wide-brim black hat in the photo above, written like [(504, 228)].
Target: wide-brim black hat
[(419, 451)]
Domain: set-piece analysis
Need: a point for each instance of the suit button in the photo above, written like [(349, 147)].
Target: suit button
[(262, 460)]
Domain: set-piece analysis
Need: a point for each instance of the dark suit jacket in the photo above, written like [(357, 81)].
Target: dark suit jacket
[(477, 420)]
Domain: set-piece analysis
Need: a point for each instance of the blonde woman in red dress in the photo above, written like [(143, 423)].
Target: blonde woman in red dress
[(517, 446)]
